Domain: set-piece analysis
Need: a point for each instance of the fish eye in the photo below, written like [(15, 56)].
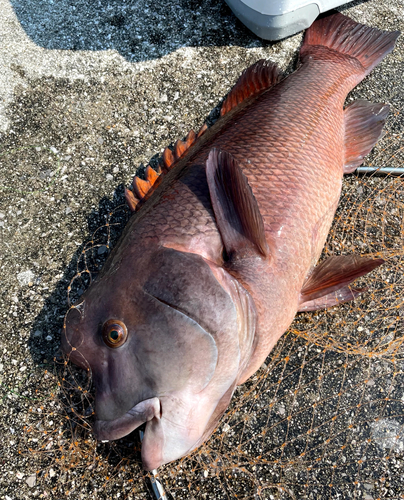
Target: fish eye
[(114, 333)]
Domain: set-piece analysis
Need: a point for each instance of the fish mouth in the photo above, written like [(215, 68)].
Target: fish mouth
[(109, 430)]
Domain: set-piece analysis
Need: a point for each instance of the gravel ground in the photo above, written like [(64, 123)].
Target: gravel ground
[(90, 91)]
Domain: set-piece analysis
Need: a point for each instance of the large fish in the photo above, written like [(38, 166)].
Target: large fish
[(212, 268)]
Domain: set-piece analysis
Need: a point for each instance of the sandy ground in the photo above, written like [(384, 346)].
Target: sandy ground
[(89, 91)]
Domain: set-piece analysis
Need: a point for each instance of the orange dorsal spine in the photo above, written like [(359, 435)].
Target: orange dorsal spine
[(141, 189)]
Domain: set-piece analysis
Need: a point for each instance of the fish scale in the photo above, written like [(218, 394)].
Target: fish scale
[(290, 176), (221, 252)]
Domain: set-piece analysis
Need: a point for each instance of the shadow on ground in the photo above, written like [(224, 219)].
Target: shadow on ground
[(138, 29), (105, 225)]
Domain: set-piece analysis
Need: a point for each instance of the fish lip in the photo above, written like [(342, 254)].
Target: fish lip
[(110, 430)]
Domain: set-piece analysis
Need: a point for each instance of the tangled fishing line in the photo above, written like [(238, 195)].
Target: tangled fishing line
[(323, 418)]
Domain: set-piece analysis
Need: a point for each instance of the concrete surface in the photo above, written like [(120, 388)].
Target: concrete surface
[(88, 92)]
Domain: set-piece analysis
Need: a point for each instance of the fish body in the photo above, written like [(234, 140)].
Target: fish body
[(212, 269)]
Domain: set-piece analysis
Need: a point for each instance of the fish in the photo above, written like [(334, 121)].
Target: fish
[(222, 249)]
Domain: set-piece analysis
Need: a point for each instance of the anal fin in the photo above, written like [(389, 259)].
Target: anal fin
[(364, 122), (235, 207), (344, 294), (328, 283)]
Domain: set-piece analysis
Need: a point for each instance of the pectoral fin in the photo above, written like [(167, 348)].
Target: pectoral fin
[(328, 284), (236, 210)]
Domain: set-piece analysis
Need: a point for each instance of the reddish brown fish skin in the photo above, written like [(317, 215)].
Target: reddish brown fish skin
[(289, 142)]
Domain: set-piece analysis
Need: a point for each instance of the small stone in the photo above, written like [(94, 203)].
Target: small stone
[(31, 480), (100, 140), (102, 249), (52, 473), (109, 177), (281, 409), (19, 475), (25, 278), (68, 210)]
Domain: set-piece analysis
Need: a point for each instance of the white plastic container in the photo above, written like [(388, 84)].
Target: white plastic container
[(277, 19)]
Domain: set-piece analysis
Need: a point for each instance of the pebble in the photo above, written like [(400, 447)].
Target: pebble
[(25, 278), (31, 480)]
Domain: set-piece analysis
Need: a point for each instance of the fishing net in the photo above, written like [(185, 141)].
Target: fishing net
[(322, 418)]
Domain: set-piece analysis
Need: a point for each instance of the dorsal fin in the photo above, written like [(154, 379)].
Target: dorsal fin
[(260, 76), (170, 157), (202, 130), (151, 175), (142, 189), (131, 200)]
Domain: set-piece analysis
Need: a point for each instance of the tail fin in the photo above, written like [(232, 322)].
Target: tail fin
[(345, 36)]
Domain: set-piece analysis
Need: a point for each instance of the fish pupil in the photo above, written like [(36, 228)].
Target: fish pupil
[(114, 335)]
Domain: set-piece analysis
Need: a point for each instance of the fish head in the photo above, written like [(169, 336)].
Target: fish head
[(155, 336)]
